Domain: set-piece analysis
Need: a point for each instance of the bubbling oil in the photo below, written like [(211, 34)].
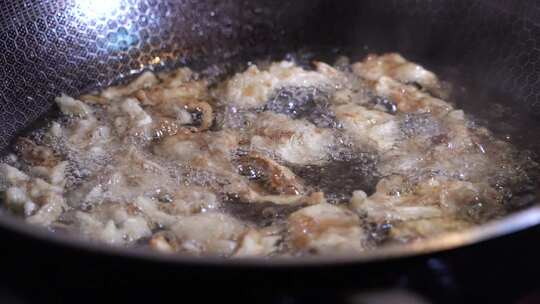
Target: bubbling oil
[(165, 177)]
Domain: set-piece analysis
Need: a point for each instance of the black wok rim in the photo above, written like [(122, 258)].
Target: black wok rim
[(498, 228)]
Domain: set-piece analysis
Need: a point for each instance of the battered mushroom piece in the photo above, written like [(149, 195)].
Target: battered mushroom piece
[(369, 129), (209, 156), (164, 241), (121, 229), (253, 87), (135, 112), (255, 243), (34, 154), (187, 200), (41, 202), (266, 181), (130, 120), (84, 133), (164, 126), (325, 229), (337, 77), (182, 96), (81, 132), (51, 206), (73, 107), (128, 175), (177, 77), (409, 99), (195, 116), (269, 175), (155, 216), (445, 147), (295, 141), (13, 176), (203, 113), (164, 97), (393, 65), (415, 230), (209, 233), (54, 175), (209, 151), (291, 199), (394, 201), (181, 100), (145, 80)]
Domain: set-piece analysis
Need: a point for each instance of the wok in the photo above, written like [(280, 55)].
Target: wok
[(488, 49)]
